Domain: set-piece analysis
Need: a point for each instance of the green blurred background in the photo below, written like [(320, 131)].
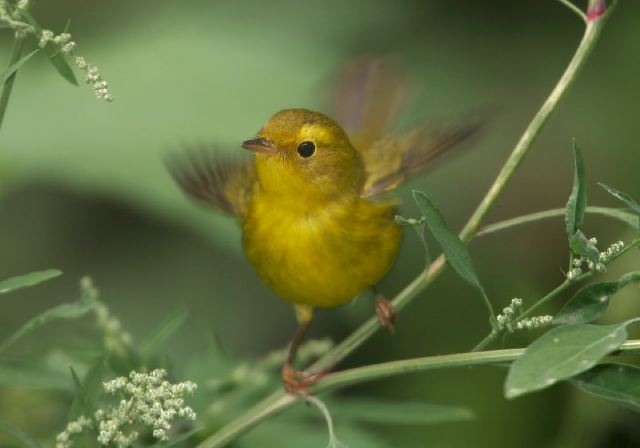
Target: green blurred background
[(83, 187)]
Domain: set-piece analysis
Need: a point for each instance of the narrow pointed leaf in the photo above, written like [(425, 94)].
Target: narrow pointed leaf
[(580, 245), (454, 249), (618, 383), (25, 439), (592, 301), (396, 412), (628, 200), (22, 281), (562, 353), (61, 65), (64, 311), (577, 203), (16, 66)]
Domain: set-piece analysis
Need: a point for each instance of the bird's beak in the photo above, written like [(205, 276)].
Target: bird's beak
[(259, 146)]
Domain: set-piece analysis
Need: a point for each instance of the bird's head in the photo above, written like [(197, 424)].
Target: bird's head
[(305, 153)]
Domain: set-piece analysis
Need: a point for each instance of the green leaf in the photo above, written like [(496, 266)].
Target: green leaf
[(16, 66), (619, 383), (562, 353), (87, 390), (574, 210), (580, 245), (164, 331), (628, 200), (61, 65), (396, 412), (22, 281), (591, 302), (454, 249), (64, 311), (26, 440)]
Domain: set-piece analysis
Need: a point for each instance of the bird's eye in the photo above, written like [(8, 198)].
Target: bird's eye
[(306, 149)]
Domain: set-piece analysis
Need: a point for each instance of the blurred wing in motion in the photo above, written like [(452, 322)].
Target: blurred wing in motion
[(370, 92), (224, 184), (391, 160)]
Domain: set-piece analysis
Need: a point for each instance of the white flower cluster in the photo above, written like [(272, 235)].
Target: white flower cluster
[(509, 314), (152, 401), (63, 440), (531, 323), (68, 46), (62, 40), (147, 399), (603, 258)]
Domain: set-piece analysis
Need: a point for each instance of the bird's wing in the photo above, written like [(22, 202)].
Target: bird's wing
[(222, 183), (368, 95), (391, 160)]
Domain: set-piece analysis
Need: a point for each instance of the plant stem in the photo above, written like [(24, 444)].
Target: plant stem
[(16, 52), (270, 404), (393, 368), (617, 213), (574, 9), (543, 301), (592, 31), (345, 378)]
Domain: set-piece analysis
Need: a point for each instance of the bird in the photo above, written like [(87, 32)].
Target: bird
[(314, 201)]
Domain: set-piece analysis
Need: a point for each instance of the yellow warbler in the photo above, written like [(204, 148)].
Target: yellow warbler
[(315, 222)]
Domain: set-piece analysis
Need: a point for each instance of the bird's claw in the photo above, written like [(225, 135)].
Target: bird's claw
[(298, 382), (386, 314)]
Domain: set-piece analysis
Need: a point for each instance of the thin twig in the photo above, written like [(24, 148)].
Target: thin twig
[(573, 8), (617, 213)]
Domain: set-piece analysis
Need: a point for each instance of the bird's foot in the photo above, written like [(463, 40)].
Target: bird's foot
[(298, 382), (386, 313)]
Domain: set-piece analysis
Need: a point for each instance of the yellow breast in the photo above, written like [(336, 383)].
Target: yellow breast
[(319, 255)]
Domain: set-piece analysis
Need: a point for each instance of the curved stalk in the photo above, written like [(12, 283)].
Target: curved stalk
[(616, 213), (375, 372)]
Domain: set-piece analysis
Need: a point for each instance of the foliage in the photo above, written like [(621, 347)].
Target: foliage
[(575, 350)]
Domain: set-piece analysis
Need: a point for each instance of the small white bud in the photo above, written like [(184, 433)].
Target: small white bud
[(69, 47)]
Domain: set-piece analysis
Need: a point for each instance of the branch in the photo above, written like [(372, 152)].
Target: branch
[(393, 368), (616, 213), (271, 406)]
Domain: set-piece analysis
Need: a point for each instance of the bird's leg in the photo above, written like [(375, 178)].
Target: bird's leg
[(384, 310), (294, 381)]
